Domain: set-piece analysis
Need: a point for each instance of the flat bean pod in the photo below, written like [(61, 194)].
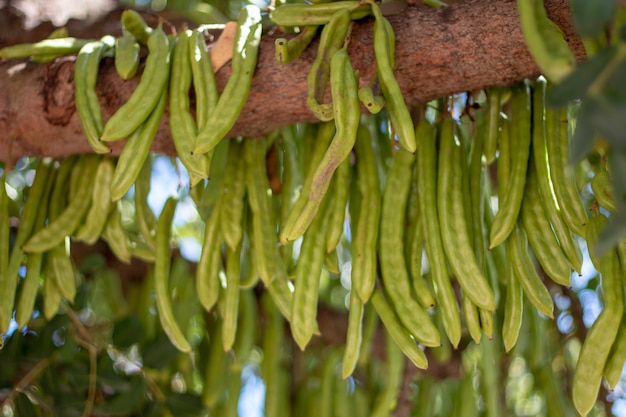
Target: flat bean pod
[(427, 198), (161, 278), (63, 274), (322, 140), (525, 272), (233, 193), (308, 270), (70, 218), (96, 217), (602, 334), (207, 272), (511, 201), (561, 173), (136, 26), (57, 47), (231, 298), (398, 111), (317, 14), (365, 237), (182, 124), (338, 203), (136, 151), (395, 276), (331, 41), (148, 92), (85, 96), (354, 335), (234, 95), (116, 237), (288, 50), (204, 83), (126, 56), (397, 331), (347, 113), (454, 229), (542, 240), (513, 311)]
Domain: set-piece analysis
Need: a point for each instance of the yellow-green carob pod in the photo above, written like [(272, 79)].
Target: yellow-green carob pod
[(126, 56), (182, 124), (161, 278), (233, 98), (288, 50), (85, 96), (427, 198), (600, 337), (398, 111), (331, 41), (454, 228), (347, 111), (395, 277), (146, 96), (316, 14)]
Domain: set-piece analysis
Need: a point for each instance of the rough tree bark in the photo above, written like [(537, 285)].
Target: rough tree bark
[(470, 45)]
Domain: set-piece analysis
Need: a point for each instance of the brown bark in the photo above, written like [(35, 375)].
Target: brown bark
[(467, 46)]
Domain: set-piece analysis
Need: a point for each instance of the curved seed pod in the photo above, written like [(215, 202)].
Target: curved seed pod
[(354, 335), (95, 220), (182, 125), (135, 152), (365, 233), (126, 56), (71, 217), (87, 103), (115, 236), (511, 200), (601, 336), (146, 96), (397, 331), (136, 26), (373, 103), (203, 79), (331, 41), (347, 112), (161, 278), (454, 229), (427, 193), (316, 14), (288, 50), (395, 276), (234, 95), (46, 47), (398, 111)]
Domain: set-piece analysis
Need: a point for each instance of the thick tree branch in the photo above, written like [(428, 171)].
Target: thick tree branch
[(470, 45)]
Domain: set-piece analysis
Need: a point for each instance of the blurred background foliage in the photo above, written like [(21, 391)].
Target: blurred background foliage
[(109, 348)]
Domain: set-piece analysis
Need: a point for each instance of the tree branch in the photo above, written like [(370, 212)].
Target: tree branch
[(467, 46)]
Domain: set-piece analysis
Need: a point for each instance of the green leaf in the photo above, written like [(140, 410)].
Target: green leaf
[(184, 405), (591, 16), (584, 134), (127, 332), (159, 352), (576, 83)]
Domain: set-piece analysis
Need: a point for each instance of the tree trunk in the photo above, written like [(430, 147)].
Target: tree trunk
[(467, 46)]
